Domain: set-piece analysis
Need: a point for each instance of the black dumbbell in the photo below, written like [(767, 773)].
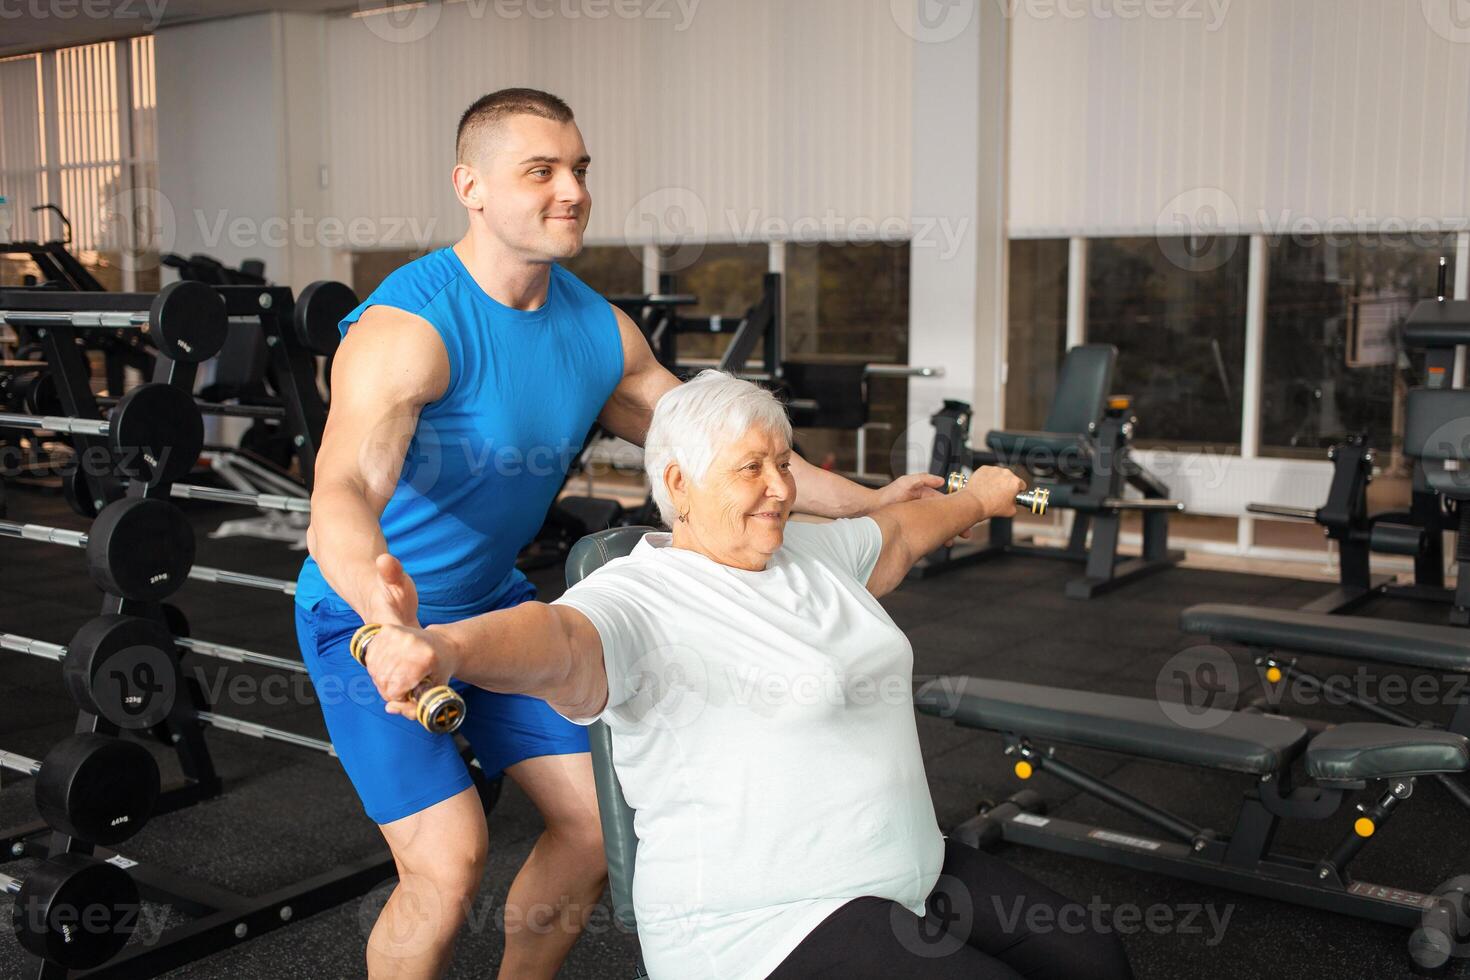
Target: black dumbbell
[(93, 787), (138, 548), (74, 910)]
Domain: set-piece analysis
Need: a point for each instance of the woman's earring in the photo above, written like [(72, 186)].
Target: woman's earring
[(684, 518)]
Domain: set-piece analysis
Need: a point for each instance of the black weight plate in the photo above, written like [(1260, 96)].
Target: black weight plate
[(156, 433), (140, 549), (78, 494), (188, 322), (123, 668), (174, 618), (97, 788), (76, 911), (319, 309), (39, 395)]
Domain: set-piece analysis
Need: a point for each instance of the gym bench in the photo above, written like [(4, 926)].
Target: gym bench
[(1385, 759)]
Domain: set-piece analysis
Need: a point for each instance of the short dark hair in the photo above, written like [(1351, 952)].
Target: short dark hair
[(488, 110)]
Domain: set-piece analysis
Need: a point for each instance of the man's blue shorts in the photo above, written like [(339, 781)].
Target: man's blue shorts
[(396, 766)]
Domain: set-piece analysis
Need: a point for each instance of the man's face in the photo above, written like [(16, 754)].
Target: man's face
[(533, 186)]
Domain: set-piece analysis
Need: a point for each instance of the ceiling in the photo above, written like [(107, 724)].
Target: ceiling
[(34, 25)]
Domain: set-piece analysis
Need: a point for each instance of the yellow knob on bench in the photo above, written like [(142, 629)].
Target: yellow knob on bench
[(1364, 827), (1023, 770)]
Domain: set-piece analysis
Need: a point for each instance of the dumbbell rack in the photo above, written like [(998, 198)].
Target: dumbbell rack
[(219, 918), (294, 333)]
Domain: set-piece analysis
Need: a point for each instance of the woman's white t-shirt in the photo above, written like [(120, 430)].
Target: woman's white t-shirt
[(763, 729)]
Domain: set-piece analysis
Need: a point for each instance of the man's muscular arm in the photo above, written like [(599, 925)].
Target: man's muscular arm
[(390, 365), (630, 409)]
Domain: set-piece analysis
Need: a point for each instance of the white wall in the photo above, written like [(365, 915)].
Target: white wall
[(1251, 115), (219, 137), (241, 142)]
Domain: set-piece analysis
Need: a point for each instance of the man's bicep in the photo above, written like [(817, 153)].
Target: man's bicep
[(389, 366), (630, 408)]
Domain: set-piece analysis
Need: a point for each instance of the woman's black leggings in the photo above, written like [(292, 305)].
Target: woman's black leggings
[(985, 921)]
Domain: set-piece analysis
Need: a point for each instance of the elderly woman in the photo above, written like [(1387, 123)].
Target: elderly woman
[(760, 704)]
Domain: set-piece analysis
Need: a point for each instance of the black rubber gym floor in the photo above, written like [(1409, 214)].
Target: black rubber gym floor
[(288, 813)]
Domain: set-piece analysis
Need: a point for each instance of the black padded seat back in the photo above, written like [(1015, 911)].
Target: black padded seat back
[(1437, 323), (1145, 727), (1437, 431), (618, 838), (1083, 386), (1361, 751), (1442, 648), (840, 391)]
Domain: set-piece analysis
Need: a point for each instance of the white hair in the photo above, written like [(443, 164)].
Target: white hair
[(693, 422)]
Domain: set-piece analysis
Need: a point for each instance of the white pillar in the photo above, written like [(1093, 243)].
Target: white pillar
[(1076, 292), (1255, 344), (957, 301), (255, 187)]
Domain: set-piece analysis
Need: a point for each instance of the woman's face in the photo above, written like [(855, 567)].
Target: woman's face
[(737, 513)]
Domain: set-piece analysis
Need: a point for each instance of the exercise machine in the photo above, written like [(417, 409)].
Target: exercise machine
[(1083, 456)]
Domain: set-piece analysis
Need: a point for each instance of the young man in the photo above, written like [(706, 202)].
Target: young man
[(463, 387)]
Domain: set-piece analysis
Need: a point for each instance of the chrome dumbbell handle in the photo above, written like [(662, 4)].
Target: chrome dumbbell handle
[(1034, 500)]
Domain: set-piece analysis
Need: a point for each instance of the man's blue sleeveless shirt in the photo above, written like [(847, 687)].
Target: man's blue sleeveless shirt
[(488, 458)]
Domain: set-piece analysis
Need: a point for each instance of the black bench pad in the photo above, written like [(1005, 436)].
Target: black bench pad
[(1368, 750), (1044, 449), (1236, 741), (1442, 648)]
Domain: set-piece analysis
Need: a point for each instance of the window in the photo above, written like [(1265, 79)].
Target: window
[(104, 173), (726, 279), (1037, 328), (370, 267), (1333, 361), (612, 270), (850, 301), (1175, 309)]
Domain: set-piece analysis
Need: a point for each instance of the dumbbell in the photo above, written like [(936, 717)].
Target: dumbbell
[(155, 433), (92, 787), (73, 910), (138, 548), (440, 708), (1034, 500)]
